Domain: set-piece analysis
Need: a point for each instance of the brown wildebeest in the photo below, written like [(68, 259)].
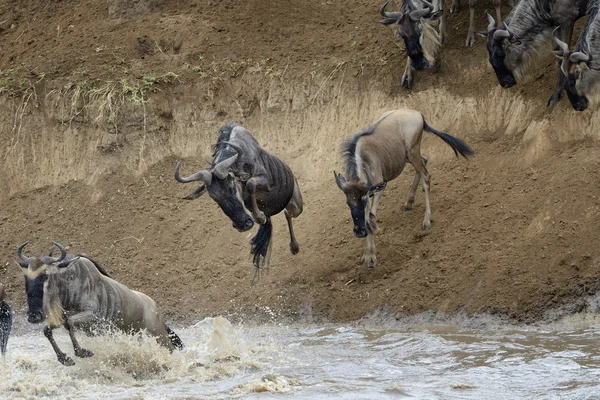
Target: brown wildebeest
[(77, 293), (377, 155)]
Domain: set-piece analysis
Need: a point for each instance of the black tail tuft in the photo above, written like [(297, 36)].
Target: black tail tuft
[(5, 325), (175, 340), (457, 145), (260, 244)]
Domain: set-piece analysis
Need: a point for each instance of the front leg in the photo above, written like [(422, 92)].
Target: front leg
[(293, 210), (253, 186), (70, 327), (62, 357), (443, 33), (566, 32), (471, 34), (455, 9), (369, 258), (406, 80)]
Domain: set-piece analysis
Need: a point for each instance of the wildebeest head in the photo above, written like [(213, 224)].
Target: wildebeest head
[(498, 42), (411, 29), (357, 197), (223, 187), (35, 275), (581, 74)]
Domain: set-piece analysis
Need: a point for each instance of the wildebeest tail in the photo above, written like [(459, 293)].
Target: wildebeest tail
[(5, 325), (260, 244), (175, 340), (457, 145)]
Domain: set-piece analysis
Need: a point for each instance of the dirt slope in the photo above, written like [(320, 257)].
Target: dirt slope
[(514, 229)]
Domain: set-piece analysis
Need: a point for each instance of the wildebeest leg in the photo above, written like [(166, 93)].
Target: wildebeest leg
[(419, 163), (62, 357), (471, 34), (369, 257), (413, 189), (497, 4), (253, 185), (443, 33), (455, 7), (293, 210), (566, 31), (70, 327), (406, 80)]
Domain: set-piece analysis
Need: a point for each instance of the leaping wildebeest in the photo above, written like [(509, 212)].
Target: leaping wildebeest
[(377, 155), (5, 321), (249, 184), (581, 66), (77, 293), (421, 39), (511, 47)]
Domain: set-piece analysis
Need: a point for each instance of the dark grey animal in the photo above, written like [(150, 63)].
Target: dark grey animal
[(581, 66), (511, 47), (5, 321), (421, 40), (78, 294), (378, 155), (249, 184)]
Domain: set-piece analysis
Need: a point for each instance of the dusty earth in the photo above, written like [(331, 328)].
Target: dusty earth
[(96, 111)]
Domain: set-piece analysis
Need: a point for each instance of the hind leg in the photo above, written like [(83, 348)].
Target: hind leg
[(419, 163), (293, 210), (413, 189), (79, 351)]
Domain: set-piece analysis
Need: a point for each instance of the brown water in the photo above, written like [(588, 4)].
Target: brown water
[(468, 359)]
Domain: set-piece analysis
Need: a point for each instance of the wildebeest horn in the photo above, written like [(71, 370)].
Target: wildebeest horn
[(579, 56), (202, 175), (340, 180), (501, 34), (222, 169), (428, 4), (24, 261), (51, 260), (393, 15), (491, 20), (418, 14), (564, 48), (235, 147)]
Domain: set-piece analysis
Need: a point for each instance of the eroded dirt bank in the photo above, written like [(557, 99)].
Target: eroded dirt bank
[(91, 166)]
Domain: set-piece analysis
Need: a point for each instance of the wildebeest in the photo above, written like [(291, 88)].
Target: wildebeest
[(471, 33), (249, 184), (5, 321), (581, 66), (78, 294), (377, 155), (511, 47), (421, 40)]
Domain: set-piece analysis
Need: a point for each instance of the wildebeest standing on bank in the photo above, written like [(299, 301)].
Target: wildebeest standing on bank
[(378, 155), (581, 66), (5, 321), (511, 47), (78, 294), (249, 184), (471, 32), (421, 40)]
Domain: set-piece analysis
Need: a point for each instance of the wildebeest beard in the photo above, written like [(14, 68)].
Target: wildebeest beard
[(35, 298)]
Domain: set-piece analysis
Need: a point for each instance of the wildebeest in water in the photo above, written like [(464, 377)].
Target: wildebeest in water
[(77, 293), (5, 321), (249, 184), (377, 155)]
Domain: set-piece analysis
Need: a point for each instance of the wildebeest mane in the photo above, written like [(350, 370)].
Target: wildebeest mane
[(584, 38), (70, 257), (220, 148), (348, 150)]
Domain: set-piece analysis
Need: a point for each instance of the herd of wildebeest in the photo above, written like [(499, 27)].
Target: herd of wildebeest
[(251, 185)]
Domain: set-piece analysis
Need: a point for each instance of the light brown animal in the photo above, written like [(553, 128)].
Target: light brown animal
[(378, 155)]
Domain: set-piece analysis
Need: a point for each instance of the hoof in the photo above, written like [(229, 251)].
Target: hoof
[(407, 208), (407, 83), (426, 225), (261, 218), (294, 248), (470, 41), (83, 353), (369, 261), (66, 361)]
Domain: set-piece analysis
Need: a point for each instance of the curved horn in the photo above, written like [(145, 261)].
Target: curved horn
[(51, 260), (202, 175), (340, 180), (561, 45), (428, 4), (491, 22), (393, 15), (25, 261), (579, 56), (222, 169), (420, 13), (235, 147), (501, 34)]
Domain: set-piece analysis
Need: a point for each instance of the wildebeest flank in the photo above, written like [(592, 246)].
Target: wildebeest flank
[(5, 321), (378, 155), (78, 294), (249, 184)]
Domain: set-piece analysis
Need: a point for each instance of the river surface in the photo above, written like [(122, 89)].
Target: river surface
[(343, 361)]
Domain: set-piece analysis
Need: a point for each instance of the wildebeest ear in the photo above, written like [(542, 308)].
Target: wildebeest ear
[(387, 21), (434, 16), (377, 188), (196, 193), (340, 180)]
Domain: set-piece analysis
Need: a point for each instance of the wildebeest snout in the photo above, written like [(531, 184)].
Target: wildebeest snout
[(360, 232), (420, 63), (247, 225), (35, 317)]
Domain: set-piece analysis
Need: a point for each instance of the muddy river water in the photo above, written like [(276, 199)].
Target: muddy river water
[(343, 361)]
